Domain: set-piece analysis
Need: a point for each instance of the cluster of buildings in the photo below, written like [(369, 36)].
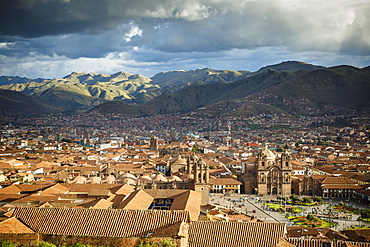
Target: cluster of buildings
[(159, 185)]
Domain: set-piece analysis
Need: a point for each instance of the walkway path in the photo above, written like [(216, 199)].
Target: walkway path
[(253, 206)]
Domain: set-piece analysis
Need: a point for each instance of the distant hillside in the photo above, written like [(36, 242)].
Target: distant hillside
[(178, 78), (14, 103), (291, 66), (287, 88), (118, 107), (187, 99), (334, 90), (82, 90)]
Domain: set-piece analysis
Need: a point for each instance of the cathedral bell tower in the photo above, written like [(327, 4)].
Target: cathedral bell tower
[(153, 143), (286, 170), (200, 171)]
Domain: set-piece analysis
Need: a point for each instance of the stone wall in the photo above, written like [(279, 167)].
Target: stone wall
[(98, 241), (25, 239), (32, 239)]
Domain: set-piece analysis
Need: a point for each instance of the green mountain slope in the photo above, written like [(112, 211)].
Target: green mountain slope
[(186, 99), (179, 78), (118, 107), (341, 89), (14, 103), (335, 89), (291, 66), (286, 88), (79, 91)]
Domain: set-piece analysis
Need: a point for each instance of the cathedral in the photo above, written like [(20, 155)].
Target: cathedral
[(269, 175)]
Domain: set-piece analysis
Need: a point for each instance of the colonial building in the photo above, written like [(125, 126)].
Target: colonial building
[(269, 175)]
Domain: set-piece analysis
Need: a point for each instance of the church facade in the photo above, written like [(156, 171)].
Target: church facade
[(269, 175)]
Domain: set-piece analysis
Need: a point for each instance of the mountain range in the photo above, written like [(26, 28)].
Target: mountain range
[(290, 87)]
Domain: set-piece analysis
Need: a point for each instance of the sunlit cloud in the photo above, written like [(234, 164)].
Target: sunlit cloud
[(152, 36)]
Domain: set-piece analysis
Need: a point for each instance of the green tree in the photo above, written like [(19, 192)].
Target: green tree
[(166, 243), (306, 200), (294, 198), (80, 245), (318, 199), (6, 243), (162, 243), (46, 244), (196, 149), (365, 214), (310, 217)]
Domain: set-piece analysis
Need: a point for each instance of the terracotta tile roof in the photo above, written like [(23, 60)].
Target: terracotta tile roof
[(321, 232), (324, 242), (235, 234), (341, 186), (224, 181), (12, 189), (338, 180), (84, 188), (99, 222), (137, 200), (362, 235), (54, 189), (179, 229), (123, 189), (35, 199), (33, 188), (189, 201), (11, 197), (164, 193), (99, 192), (13, 225), (99, 203)]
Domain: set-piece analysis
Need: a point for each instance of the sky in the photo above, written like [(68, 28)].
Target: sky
[(53, 38)]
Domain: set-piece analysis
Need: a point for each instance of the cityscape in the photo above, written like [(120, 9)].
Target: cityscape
[(184, 123), (307, 181)]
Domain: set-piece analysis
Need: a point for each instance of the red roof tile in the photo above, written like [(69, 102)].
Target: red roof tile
[(235, 234), (99, 222)]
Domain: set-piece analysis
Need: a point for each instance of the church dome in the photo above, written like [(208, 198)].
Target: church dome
[(79, 180), (179, 161), (267, 153), (160, 178), (94, 180), (174, 178), (127, 175), (128, 181), (109, 170), (187, 176), (145, 179), (110, 179)]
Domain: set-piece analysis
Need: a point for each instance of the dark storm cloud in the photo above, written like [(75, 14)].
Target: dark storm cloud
[(168, 33), (34, 18), (197, 25)]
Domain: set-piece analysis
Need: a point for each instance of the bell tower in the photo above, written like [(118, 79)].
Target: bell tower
[(154, 143), (201, 179), (286, 173)]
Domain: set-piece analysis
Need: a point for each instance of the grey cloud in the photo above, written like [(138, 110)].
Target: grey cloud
[(196, 25), (184, 34)]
